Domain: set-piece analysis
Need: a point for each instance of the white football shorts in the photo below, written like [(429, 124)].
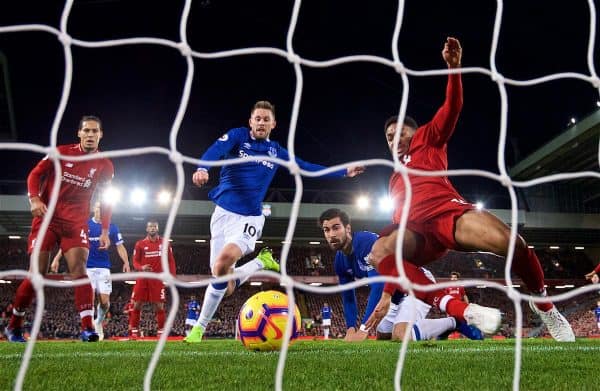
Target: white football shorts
[(191, 322), (228, 227), (326, 323), (100, 280), (402, 312)]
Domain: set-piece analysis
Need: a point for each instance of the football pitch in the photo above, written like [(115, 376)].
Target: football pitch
[(317, 365)]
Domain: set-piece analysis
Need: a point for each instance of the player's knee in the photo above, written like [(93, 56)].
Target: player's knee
[(220, 269)]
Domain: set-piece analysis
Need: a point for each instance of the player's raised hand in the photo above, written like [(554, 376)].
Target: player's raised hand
[(452, 52), (380, 311), (200, 178), (38, 208), (354, 171), (104, 241)]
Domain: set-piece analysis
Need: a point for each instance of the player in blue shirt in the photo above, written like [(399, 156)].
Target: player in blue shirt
[(98, 265), (237, 221), (193, 311), (597, 314), (326, 319), (352, 250)]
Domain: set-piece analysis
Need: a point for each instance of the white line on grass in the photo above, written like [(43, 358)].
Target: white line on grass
[(195, 353)]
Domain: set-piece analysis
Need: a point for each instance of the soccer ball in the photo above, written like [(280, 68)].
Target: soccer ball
[(262, 321)]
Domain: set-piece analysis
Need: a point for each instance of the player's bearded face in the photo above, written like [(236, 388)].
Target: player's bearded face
[(335, 234), (152, 230), (90, 135), (406, 136), (261, 123)]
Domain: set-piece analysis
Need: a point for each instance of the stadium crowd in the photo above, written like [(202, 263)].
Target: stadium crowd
[(303, 261)]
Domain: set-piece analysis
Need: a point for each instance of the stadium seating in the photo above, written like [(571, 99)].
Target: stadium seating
[(60, 322)]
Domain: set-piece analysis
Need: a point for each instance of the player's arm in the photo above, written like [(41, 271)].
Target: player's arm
[(34, 183), (465, 298), (54, 266), (380, 310), (122, 251), (172, 268), (117, 239), (348, 297), (374, 296), (441, 127), (218, 150), (138, 252), (105, 207), (593, 275), (348, 172)]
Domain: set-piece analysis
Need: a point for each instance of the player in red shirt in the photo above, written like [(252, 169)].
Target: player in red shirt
[(440, 219), (146, 257), (68, 225), (458, 291)]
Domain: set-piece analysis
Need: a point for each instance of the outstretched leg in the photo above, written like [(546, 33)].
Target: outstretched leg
[(482, 231)]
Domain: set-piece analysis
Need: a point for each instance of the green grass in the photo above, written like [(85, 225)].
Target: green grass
[(317, 365)]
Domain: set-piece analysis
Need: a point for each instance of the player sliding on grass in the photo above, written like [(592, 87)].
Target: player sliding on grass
[(237, 221), (440, 219), (352, 249)]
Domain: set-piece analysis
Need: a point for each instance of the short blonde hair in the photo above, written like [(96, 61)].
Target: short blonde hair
[(263, 104)]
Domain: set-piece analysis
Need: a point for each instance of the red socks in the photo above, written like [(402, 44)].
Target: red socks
[(415, 274), (456, 308), (160, 319), (84, 299), (527, 266), (134, 319), (23, 299)]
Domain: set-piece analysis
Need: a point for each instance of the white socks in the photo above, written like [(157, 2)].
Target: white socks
[(212, 299), (100, 315), (248, 268)]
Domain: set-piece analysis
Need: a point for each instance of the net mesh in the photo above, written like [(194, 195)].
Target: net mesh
[(296, 62)]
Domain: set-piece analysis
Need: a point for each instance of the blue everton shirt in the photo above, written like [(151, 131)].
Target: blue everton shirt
[(192, 310), (354, 267), (242, 187), (326, 313), (100, 258)]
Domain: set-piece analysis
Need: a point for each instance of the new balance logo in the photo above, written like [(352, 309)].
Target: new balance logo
[(406, 159)]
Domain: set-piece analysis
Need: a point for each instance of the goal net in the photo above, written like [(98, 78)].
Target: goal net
[(298, 66)]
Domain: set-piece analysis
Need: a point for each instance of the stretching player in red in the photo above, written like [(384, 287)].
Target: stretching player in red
[(440, 219), (68, 226), (146, 257)]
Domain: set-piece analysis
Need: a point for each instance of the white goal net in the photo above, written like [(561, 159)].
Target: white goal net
[(298, 65)]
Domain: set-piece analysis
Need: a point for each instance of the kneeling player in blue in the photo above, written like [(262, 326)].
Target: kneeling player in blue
[(352, 250)]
